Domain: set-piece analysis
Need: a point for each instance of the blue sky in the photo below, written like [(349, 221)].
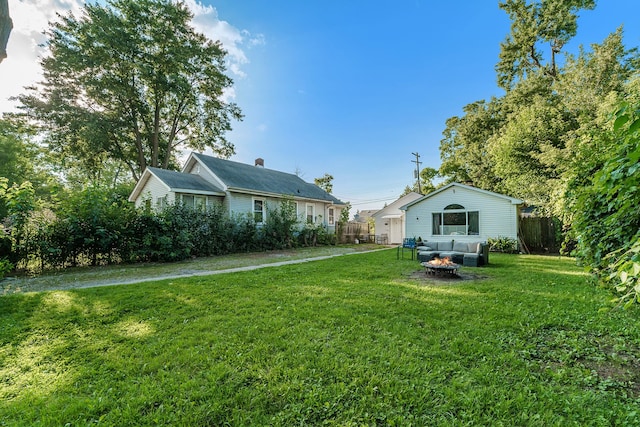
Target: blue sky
[(349, 88), (353, 88)]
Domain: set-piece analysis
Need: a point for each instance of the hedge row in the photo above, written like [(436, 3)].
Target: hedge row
[(94, 228)]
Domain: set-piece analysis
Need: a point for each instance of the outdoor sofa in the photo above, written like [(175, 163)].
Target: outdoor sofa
[(472, 254)]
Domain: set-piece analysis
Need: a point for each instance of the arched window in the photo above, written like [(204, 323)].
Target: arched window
[(454, 206), (456, 220)]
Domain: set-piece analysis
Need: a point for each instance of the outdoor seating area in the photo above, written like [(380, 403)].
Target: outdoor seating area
[(382, 239), (472, 254), (408, 244)]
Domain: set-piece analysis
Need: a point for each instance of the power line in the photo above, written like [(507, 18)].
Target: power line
[(363, 202)]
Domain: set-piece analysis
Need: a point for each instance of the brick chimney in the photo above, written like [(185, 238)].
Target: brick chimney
[(260, 162)]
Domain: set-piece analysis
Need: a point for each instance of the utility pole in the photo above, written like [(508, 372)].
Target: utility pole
[(417, 162)]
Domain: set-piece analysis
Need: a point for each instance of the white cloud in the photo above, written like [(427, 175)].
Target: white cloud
[(21, 67), (31, 18), (233, 40)]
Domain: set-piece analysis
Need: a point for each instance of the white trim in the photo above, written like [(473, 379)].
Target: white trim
[(513, 200), (264, 209), (193, 157), (280, 196), (313, 213), (142, 182), (199, 192), (464, 227)]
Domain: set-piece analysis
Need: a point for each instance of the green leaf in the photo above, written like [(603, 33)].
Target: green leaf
[(620, 121), (634, 156), (634, 126), (624, 276)]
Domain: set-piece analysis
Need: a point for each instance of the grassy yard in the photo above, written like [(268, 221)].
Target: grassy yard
[(352, 340), (104, 275)]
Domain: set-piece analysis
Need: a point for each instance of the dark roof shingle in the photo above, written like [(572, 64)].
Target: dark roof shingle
[(184, 181), (240, 176)]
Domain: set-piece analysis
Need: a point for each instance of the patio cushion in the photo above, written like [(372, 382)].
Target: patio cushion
[(474, 248), (460, 247), (445, 246)]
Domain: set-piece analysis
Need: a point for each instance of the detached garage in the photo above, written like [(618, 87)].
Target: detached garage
[(462, 213)]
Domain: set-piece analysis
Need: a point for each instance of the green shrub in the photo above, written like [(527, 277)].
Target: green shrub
[(280, 226), (503, 244), (99, 226), (5, 267), (622, 273), (606, 211)]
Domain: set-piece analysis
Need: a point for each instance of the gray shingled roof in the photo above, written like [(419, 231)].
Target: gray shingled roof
[(184, 181), (243, 177)]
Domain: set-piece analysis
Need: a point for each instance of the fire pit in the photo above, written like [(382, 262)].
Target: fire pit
[(441, 267)]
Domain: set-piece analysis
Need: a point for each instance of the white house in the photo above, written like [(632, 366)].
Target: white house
[(390, 221), (240, 188), (463, 213)]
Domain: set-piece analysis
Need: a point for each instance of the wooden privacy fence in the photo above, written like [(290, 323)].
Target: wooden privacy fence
[(354, 230), (540, 234)]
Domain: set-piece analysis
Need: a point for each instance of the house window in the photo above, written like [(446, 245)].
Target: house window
[(455, 220), (200, 202), (187, 200), (258, 210), (331, 216), (310, 214), (192, 201), (161, 202)]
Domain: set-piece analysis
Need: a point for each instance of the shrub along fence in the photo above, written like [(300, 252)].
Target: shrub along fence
[(97, 228)]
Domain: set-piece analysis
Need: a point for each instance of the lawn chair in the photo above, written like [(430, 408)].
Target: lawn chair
[(407, 243)]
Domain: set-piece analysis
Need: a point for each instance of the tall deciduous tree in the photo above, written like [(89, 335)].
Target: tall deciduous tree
[(22, 159), (537, 139), (132, 81), (5, 28), (464, 149), (535, 26)]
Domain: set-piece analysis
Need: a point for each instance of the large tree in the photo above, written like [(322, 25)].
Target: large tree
[(22, 158), (464, 150), (5, 28), (132, 81), (536, 26), (536, 138)]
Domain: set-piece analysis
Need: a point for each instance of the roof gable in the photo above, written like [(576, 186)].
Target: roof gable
[(178, 181), (241, 177), (512, 200), (395, 207), (175, 182)]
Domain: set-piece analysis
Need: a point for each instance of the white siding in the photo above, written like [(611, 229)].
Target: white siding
[(241, 204), (152, 190), (393, 227), (197, 169), (497, 215)]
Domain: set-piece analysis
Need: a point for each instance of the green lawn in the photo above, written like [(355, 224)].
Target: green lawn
[(352, 340)]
